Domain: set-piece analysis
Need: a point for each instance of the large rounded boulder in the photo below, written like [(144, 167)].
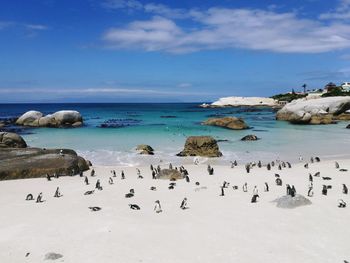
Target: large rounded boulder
[(30, 118), (20, 163), (68, 118), (201, 146), (11, 140), (232, 123)]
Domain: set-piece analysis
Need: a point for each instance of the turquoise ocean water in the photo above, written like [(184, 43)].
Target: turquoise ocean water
[(166, 126)]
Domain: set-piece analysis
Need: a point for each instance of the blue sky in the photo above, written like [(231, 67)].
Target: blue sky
[(169, 51)]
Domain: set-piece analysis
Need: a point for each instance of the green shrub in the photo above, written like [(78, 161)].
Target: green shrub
[(288, 96)]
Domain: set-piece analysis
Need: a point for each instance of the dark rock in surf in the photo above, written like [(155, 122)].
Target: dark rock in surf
[(250, 137)]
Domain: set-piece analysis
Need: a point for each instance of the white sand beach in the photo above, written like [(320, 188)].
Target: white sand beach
[(214, 229)]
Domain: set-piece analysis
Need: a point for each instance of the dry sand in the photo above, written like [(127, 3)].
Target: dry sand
[(214, 229)]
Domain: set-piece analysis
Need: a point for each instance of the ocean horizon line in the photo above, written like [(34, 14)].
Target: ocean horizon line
[(53, 103)]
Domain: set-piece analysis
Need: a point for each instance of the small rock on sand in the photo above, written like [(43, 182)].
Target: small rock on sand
[(287, 201), (53, 256)]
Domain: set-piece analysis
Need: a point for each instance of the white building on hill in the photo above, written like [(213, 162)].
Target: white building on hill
[(345, 86)]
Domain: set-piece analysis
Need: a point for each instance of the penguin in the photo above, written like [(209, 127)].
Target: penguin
[(337, 165), (268, 166), (129, 195), (247, 168), (134, 207), (341, 203), (245, 187), (278, 181), (259, 164), (86, 180), (266, 187), (110, 181), (345, 189), (29, 197), (310, 192), (222, 191), (183, 205), (39, 199), (57, 193), (157, 207), (94, 208), (324, 190), (289, 189), (254, 198)]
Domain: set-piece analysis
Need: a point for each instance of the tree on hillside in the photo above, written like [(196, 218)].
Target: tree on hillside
[(304, 86)]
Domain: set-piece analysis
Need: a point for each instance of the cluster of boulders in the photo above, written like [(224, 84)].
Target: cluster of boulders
[(232, 123), (19, 161), (316, 111), (64, 118)]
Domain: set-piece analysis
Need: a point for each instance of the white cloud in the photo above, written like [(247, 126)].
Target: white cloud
[(164, 10), (224, 28), (23, 26), (184, 85), (35, 27), (5, 24), (341, 12), (155, 34), (99, 91)]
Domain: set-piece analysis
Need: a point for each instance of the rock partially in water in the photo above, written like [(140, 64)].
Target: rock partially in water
[(348, 126), (52, 256), (292, 202), (11, 140), (201, 146), (232, 123), (250, 137), (145, 149)]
